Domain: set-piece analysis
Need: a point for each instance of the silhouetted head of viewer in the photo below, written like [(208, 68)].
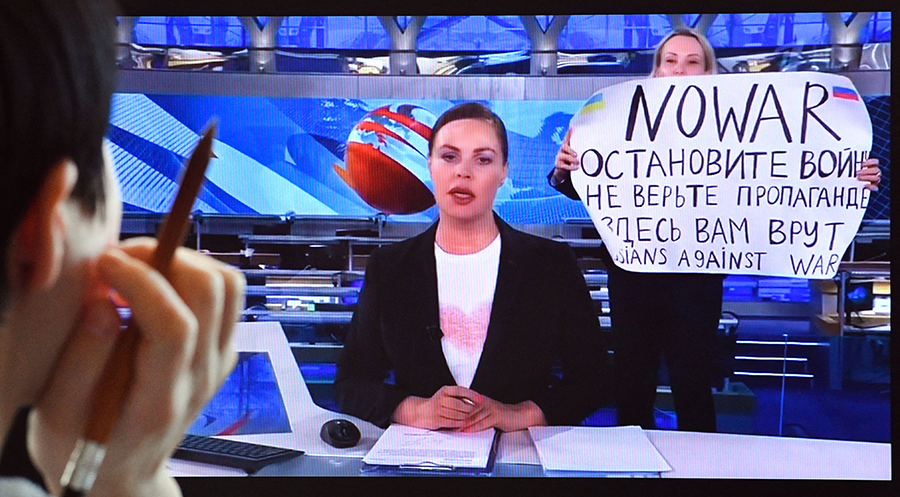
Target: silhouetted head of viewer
[(61, 258)]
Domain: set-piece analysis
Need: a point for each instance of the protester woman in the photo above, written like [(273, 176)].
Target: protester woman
[(656, 315)]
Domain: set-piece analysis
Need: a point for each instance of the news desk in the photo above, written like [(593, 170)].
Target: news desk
[(691, 455)]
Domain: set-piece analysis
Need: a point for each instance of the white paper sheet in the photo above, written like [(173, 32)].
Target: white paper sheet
[(615, 449), (402, 445)]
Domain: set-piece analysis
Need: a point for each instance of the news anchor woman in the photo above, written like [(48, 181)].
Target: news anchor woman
[(656, 315), (472, 317)]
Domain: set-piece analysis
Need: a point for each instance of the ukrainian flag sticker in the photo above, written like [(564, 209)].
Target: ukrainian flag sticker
[(590, 109)]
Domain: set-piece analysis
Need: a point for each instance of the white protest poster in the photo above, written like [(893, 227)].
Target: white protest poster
[(734, 173)]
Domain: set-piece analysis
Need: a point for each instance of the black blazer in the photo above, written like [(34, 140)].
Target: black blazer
[(565, 187), (542, 316)]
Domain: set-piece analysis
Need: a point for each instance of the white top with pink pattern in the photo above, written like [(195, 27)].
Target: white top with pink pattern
[(466, 285)]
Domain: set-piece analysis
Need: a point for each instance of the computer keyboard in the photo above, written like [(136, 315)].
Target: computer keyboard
[(246, 456)]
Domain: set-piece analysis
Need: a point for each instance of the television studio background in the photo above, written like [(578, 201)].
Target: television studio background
[(287, 203)]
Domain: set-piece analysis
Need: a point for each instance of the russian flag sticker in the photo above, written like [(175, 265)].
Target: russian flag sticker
[(846, 93)]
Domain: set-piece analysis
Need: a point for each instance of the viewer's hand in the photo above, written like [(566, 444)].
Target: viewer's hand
[(870, 173), (445, 409), (184, 354), (504, 417), (566, 160)]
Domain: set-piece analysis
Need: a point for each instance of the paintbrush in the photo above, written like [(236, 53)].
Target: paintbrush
[(118, 373)]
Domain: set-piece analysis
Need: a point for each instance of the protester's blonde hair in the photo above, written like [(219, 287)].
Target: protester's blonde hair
[(709, 55)]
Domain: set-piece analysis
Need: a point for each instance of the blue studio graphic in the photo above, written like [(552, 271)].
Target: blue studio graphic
[(248, 403)]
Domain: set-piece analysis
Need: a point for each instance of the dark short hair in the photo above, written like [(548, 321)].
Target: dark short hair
[(57, 75), (471, 110)]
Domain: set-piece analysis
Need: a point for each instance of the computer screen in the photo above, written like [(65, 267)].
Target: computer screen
[(249, 402)]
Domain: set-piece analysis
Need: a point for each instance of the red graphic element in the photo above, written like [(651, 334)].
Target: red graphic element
[(236, 426), (383, 150), (380, 131), (382, 182), (406, 120), (466, 331)]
